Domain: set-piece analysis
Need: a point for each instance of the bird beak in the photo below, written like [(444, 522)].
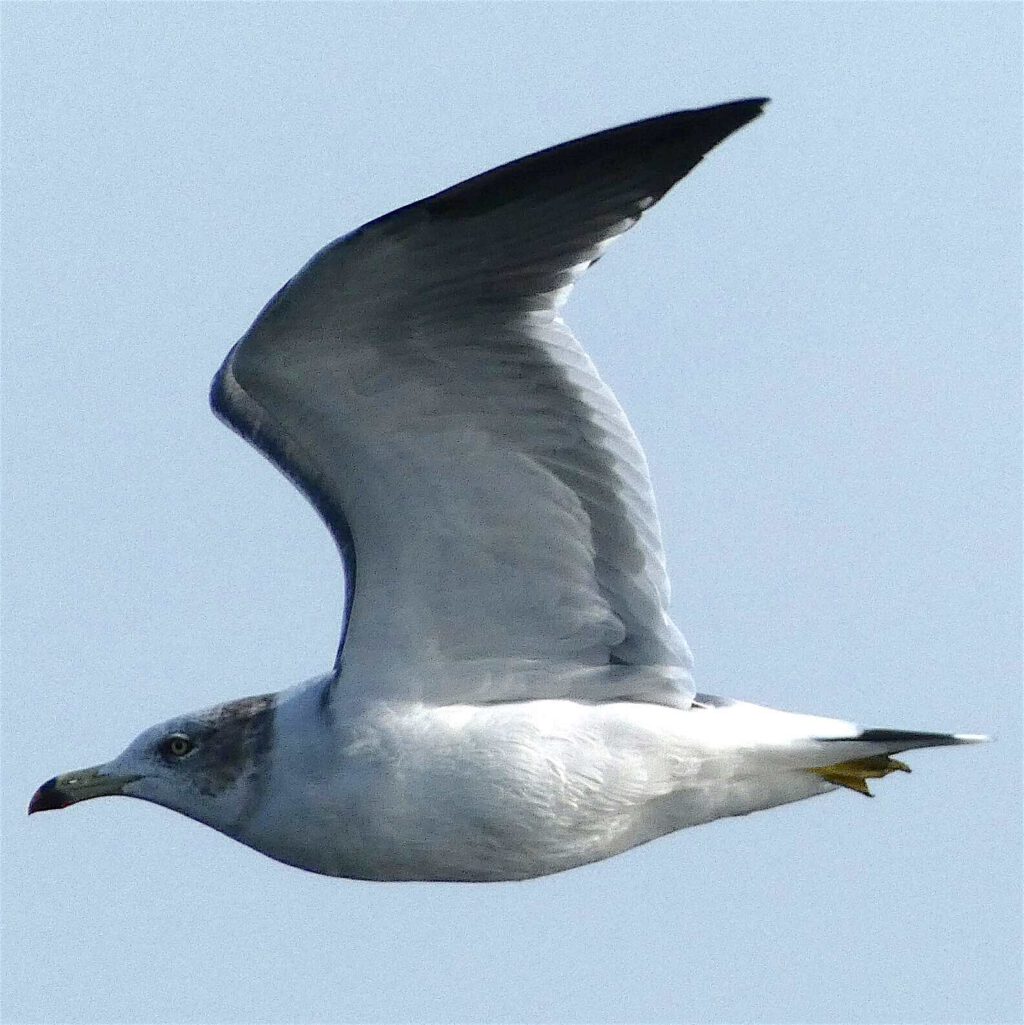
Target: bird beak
[(83, 785)]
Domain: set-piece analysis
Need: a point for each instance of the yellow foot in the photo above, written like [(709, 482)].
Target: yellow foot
[(855, 775)]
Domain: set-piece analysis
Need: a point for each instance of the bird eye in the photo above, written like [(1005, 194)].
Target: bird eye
[(177, 745)]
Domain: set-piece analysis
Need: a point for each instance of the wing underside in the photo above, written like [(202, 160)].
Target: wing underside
[(416, 381)]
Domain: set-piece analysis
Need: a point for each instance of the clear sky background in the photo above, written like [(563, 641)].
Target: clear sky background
[(817, 337)]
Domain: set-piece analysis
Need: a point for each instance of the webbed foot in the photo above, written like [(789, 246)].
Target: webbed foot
[(855, 775)]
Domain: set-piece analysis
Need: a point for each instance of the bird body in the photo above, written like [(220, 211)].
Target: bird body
[(510, 791), (510, 697), (402, 790)]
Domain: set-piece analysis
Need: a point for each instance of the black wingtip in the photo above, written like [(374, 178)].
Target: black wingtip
[(653, 154), (755, 104)]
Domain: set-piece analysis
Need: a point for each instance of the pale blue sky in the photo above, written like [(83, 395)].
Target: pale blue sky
[(817, 337)]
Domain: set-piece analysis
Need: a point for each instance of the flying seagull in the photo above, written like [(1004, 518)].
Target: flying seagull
[(510, 697)]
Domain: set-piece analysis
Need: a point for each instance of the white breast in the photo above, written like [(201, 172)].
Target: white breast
[(511, 791)]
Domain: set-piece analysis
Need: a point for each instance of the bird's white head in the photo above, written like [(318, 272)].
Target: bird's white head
[(208, 765)]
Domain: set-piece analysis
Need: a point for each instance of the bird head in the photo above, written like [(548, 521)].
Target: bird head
[(204, 765)]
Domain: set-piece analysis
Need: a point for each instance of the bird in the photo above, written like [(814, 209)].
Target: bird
[(510, 697)]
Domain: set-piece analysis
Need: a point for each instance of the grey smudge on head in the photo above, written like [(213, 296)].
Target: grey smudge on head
[(235, 742)]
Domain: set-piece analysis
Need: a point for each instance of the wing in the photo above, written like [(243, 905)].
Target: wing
[(416, 382)]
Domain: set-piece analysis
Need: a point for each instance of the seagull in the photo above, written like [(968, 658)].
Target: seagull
[(510, 697)]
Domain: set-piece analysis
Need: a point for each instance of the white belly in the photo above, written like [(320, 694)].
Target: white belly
[(484, 793)]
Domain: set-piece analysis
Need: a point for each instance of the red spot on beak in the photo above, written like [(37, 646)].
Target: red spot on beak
[(47, 798)]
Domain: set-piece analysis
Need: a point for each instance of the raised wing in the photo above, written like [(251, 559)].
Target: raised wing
[(414, 379)]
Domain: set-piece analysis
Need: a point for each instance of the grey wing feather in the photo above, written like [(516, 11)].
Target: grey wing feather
[(416, 381)]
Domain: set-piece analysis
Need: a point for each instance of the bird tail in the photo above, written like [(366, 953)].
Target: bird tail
[(868, 754)]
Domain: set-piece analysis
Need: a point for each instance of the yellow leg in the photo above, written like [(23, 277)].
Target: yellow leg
[(855, 775)]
